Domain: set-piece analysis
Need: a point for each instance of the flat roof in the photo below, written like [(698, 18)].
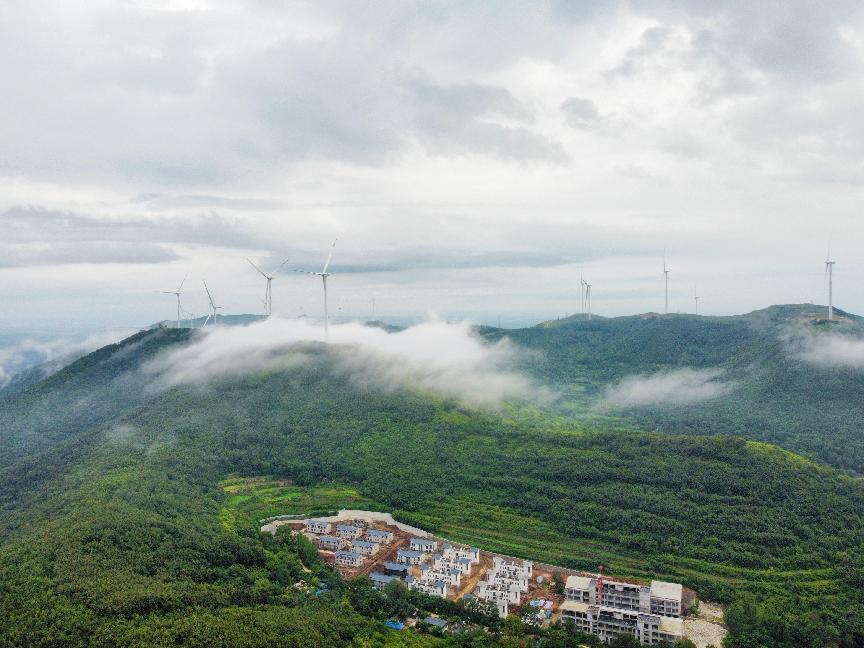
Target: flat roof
[(441, 623), (573, 606), (671, 625), (662, 589), (578, 582)]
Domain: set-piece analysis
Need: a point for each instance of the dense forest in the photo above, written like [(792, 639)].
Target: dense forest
[(112, 531)]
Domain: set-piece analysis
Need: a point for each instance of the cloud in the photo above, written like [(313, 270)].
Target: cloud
[(446, 359), (51, 355), (579, 112), (677, 387), (826, 349)]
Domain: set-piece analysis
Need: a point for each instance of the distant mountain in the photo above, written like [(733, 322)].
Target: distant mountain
[(777, 392)]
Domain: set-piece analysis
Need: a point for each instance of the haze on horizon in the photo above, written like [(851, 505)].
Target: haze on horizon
[(472, 158)]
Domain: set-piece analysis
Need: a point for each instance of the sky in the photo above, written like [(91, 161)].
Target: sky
[(472, 158)]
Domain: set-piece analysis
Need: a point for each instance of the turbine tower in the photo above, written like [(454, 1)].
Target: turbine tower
[(582, 285), (588, 298), (829, 275), (696, 299), (268, 293), (176, 293), (666, 272), (213, 306), (323, 274)]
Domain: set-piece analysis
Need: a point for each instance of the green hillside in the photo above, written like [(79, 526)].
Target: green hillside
[(113, 523), (778, 398)]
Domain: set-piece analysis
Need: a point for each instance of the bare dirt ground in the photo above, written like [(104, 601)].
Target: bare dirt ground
[(705, 630)]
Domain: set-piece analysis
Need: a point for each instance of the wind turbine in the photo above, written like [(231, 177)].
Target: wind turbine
[(696, 299), (177, 294), (829, 275), (323, 274), (588, 298), (268, 293), (582, 291), (666, 272), (213, 306)]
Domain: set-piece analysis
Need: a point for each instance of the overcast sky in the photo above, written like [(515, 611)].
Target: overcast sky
[(472, 157)]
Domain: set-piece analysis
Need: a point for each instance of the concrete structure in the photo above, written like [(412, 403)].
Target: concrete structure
[(408, 557), (395, 569), (435, 588), (607, 623), (318, 527), (364, 547), (424, 545), (348, 531), (331, 543), (457, 551), (348, 559), (380, 580), (443, 561), (660, 597), (377, 535)]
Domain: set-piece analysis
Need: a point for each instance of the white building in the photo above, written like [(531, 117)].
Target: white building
[(660, 597), (377, 535), (408, 557), (457, 551), (318, 527), (364, 547), (348, 559), (424, 545), (435, 588), (331, 543), (348, 531), (607, 623)]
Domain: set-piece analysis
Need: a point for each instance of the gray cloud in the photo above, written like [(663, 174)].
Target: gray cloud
[(445, 359), (677, 387), (579, 112)]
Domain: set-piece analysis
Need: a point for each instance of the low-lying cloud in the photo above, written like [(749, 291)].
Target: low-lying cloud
[(828, 350), (676, 387), (449, 360), (50, 356)]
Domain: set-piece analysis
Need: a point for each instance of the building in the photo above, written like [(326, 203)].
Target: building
[(424, 545), (660, 597), (395, 569), (364, 547), (348, 559), (348, 531), (435, 588), (443, 561), (456, 551), (607, 623), (318, 527), (330, 543), (408, 557), (435, 622), (449, 575), (377, 535), (380, 580)]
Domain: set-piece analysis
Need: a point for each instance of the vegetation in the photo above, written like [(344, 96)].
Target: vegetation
[(129, 515)]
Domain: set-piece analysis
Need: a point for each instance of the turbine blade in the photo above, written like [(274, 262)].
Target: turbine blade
[(314, 274), (329, 256), (279, 267), (258, 269), (180, 288)]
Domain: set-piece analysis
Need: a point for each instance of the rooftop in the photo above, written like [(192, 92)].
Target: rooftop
[(409, 553), (662, 589), (349, 554), (439, 623), (362, 543), (573, 606), (579, 583)]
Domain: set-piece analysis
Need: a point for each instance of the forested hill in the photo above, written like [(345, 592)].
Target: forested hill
[(788, 378), (113, 527)]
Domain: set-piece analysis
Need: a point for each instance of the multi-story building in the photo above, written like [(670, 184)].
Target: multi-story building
[(331, 543), (364, 547), (408, 557), (377, 535), (348, 559), (318, 527), (424, 545), (436, 587), (348, 531), (607, 623), (658, 598), (380, 580), (456, 551)]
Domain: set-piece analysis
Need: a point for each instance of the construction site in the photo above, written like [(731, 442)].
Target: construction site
[(363, 543)]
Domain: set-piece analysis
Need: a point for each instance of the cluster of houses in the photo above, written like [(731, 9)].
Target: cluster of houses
[(608, 608), (505, 583), (352, 543), (439, 572)]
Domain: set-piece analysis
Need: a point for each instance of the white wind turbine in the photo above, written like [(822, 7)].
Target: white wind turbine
[(829, 275), (268, 293), (177, 293), (582, 285), (323, 274), (213, 306), (588, 298), (696, 299), (666, 272)]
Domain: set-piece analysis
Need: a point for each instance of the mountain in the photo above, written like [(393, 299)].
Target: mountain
[(118, 527), (783, 375)]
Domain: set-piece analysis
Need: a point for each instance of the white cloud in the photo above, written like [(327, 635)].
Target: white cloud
[(51, 355), (828, 349), (446, 359), (677, 387)]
